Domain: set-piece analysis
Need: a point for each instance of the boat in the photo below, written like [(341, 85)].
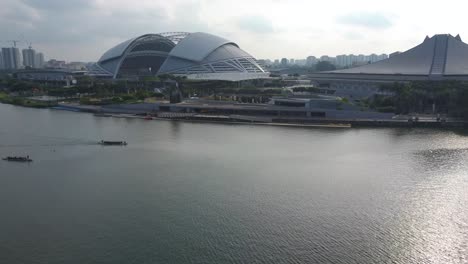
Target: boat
[(102, 115), (113, 143), (18, 159)]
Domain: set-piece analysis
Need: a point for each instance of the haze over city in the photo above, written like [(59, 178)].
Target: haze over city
[(81, 30)]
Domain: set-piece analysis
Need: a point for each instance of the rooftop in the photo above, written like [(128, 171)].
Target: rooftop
[(440, 55)]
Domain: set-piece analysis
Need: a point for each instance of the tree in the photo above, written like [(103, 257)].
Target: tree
[(325, 66)]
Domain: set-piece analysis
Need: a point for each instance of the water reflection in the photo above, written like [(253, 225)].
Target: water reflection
[(214, 193), (441, 161), (175, 129), (432, 215)]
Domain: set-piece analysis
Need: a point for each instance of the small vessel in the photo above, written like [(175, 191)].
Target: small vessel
[(148, 118), (113, 143), (102, 115), (18, 159)]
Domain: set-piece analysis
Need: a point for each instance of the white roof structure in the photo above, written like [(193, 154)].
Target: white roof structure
[(436, 56), (441, 57), (197, 46), (195, 55)]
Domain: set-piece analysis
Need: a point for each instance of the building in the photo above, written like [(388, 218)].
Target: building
[(29, 57), (51, 77), (311, 60), (75, 65), (341, 60), (55, 64), (11, 58), (199, 56), (278, 109), (439, 58), (328, 58), (382, 57), (353, 60), (301, 62), (394, 53), (39, 60), (361, 58), (284, 62), (1, 61)]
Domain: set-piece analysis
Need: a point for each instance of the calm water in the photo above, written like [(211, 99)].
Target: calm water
[(209, 193)]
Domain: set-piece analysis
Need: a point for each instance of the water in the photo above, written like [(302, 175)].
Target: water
[(213, 193)]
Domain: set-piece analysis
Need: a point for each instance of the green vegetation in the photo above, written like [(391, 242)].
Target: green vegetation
[(132, 98), (306, 89), (96, 91), (443, 97), (325, 66), (22, 101)]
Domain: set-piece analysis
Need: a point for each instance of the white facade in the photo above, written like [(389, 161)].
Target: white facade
[(189, 54), (39, 60), (351, 59), (29, 57), (311, 60), (11, 58)]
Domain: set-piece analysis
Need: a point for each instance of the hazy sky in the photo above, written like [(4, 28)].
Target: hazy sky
[(81, 30)]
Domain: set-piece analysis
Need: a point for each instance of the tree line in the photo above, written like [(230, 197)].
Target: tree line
[(439, 97)]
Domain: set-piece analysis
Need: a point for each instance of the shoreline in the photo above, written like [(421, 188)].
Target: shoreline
[(279, 121), (330, 125), (264, 120)]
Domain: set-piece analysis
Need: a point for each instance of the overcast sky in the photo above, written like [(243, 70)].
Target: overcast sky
[(81, 30)]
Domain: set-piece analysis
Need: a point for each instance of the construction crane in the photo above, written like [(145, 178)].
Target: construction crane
[(14, 41)]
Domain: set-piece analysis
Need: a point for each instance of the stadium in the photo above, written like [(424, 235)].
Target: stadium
[(199, 56), (442, 57)]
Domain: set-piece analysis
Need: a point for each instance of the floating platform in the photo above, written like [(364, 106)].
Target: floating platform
[(18, 159), (112, 143)]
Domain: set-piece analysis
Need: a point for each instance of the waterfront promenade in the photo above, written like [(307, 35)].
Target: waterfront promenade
[(223, 113)]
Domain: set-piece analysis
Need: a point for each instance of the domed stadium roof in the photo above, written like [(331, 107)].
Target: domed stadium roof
[(439, 55), (195, 55)]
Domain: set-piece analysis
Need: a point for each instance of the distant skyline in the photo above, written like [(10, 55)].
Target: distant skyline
[(81, 30)]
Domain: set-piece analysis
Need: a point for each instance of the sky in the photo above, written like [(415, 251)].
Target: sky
[(82, 30)]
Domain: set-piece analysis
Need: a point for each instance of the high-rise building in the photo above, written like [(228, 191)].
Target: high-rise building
[(311, 60), (1, 61), (284, 62), (394, 54), (352, 59), (341, 60), (29, 57), (11, 58), (301, 62), (332, 60), (361, 58), (373, 58), (382, 57), (39, 60)]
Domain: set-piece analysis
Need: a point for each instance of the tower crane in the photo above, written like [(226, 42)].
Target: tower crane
[(14, 41)]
